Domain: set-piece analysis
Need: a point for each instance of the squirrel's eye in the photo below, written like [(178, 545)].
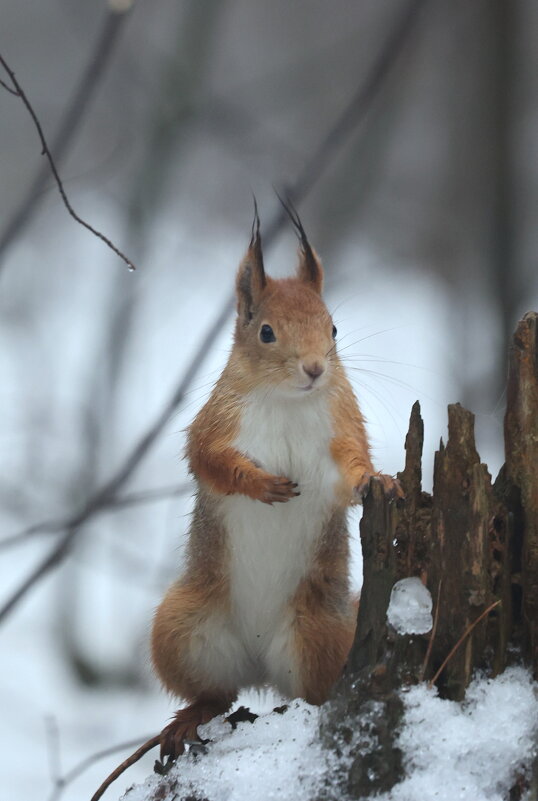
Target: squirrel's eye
[(334, 332), (266, 334)]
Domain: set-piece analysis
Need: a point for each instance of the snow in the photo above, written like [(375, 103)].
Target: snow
[(472, 751), (277, 756), (410, 607)]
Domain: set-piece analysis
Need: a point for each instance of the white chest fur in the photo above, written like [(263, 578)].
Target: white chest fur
[(271, 547)]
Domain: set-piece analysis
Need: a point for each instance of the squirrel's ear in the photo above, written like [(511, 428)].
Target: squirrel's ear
[(251, 280), (310, 270)]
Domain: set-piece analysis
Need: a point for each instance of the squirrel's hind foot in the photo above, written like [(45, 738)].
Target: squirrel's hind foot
[(184, 727)]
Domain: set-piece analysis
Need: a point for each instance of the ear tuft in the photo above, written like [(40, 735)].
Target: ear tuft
[(309, 270), (251, 280)]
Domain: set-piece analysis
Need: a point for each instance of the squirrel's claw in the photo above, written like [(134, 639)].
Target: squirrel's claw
[(173, 738), (277, 489), (184, 729), (392, 487)]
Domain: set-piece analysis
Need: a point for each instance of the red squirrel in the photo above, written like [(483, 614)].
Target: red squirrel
[(278, 453)]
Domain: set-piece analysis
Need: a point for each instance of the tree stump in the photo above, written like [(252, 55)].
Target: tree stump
[(471, 544)]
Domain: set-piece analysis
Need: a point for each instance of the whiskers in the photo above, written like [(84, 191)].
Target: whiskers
[(381, 383), (363, 339), (277, 372), (381, 399), (389, 379)]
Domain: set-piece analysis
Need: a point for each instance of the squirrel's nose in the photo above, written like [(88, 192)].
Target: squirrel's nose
[(313, 369)]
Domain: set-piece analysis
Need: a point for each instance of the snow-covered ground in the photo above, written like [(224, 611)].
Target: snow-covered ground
[(452, 752), (472, 751)]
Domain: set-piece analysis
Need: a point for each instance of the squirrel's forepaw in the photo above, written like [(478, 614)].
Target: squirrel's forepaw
[(392, 487), (275, 489)]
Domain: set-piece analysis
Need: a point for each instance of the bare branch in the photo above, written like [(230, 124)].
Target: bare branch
[(349, 119), (9, 88), (45, 527), (121, 502), (71, 121), (149, 496)]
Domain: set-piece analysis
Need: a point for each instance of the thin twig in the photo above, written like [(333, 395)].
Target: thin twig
[(53, 747), (433, 633), (154, 741), (70, 123), (149, 496), (45, 527), (81, 99), (9, 88), (349, 119), (463, 637), (62, 782)]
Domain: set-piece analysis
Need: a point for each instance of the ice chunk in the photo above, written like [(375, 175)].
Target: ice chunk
[(410, 607)]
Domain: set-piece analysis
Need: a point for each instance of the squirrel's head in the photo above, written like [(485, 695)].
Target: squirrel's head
[(284, 331)]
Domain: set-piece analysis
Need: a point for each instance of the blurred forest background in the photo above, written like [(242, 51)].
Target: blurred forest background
[(406, 131)]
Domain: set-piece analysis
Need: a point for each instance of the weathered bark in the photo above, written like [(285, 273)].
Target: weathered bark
[(413, 533), (360, 721), (521, 444), (502, 627), (459, 559)]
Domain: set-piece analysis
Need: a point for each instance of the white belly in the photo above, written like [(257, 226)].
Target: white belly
[(271, 547)]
